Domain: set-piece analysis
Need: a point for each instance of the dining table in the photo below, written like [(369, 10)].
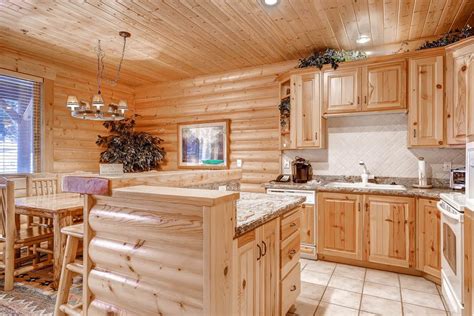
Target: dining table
[(63, 209)]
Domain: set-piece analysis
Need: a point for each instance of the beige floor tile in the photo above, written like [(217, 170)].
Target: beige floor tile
[(303, 307), (383, 291), (312, 291), (315, 277), (321, 266), (363, 313), (342, 298), (347, 284), (380, 306), (334, 310), (350, 271), (382, 277), (303, 263), (418, 284), (415, 310), (422, 299)]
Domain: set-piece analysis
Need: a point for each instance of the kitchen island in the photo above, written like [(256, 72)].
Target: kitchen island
[(162, 250)]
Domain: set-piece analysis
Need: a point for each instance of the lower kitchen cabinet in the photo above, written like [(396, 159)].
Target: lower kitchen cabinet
[(429, 237), (308, 238), (264, 267), (340, 225), (389, 224)]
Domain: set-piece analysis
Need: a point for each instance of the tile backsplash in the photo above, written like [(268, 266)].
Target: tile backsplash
[(381, 142)]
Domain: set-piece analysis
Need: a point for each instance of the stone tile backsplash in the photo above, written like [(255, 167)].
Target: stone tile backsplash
[(380, 140)]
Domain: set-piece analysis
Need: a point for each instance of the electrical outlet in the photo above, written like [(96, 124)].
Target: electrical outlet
[(447, 166), (286, 164), (239, 163), (222, 188)]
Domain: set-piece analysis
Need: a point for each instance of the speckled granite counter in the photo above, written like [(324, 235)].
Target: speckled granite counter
[(320, 185), (255, 209)]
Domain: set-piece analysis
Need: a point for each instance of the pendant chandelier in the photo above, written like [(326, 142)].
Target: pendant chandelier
[(96, 109)]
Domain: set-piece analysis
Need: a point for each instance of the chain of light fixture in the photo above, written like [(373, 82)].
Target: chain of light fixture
[(116, 111)]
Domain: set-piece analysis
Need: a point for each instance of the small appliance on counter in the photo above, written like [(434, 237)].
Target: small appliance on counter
[(457, 179), (301, 170)]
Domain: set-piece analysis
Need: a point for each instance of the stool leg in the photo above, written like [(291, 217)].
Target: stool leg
[(65, 281)]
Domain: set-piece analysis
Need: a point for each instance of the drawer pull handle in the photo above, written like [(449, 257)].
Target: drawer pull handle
[(264, 248), (259, 252), (293, 224), (293, 288), (291, 253)]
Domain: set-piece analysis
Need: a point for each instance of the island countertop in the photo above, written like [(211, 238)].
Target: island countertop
[(255, 209)]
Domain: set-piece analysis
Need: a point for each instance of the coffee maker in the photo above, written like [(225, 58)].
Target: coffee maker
[(301, 170)]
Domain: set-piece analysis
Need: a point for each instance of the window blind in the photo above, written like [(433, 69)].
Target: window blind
[(20, 125)]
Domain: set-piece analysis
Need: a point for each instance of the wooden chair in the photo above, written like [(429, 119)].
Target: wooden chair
[(21, 246), (41, 184), (70, 268)]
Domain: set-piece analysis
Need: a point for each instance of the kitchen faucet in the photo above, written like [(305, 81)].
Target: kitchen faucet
[(366, 174)]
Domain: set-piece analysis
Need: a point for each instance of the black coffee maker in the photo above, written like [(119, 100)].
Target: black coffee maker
[(301, 170)]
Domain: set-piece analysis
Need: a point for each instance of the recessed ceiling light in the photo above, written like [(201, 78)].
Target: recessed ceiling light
[(270, 2), (363, 39)]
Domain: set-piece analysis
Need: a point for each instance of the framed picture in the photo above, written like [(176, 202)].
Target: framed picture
[(204, 145)]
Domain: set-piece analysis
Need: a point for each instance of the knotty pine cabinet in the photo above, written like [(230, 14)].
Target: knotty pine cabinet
[(426, 95), (256, 260), (373, 87), (389, 227), (340, 225), (428, 237)]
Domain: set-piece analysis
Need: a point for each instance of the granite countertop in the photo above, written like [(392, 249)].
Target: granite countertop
[(320, 185), (255, 209)]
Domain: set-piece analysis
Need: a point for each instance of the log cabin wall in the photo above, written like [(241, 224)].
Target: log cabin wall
[(248, 97), (69, 143)]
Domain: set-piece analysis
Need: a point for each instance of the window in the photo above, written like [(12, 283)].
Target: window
[(20, 131)]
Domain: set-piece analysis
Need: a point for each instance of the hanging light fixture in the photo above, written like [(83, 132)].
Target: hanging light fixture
[(96, 109)]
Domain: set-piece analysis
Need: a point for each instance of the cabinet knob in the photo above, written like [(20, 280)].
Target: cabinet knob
[(463, 68), (293, 288), (439, 86)]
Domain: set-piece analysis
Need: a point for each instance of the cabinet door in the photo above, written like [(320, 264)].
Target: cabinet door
[(342, 91), (245, 274), (307, 224), (308, 111), (390, 230), (470, 98), (428, 237), (384, 86), (339, 225), (269, 268), (426, 102)]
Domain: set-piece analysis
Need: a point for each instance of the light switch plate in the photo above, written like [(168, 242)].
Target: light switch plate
[(239, 163), (222, 188)]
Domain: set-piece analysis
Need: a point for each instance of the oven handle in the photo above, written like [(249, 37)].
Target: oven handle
[(448, 214)]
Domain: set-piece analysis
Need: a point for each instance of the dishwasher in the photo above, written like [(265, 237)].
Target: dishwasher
[(308, 220)]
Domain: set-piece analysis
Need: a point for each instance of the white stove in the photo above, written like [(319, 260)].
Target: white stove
[(451, 207)]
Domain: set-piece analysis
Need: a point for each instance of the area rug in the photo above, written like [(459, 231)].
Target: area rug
[(33, 294)]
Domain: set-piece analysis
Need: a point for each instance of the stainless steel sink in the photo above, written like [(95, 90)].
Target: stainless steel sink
[(360, 185)]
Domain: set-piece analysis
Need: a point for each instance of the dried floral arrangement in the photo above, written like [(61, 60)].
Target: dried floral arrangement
[(284, 108), (137, 151), (330, 56), (449, 38)]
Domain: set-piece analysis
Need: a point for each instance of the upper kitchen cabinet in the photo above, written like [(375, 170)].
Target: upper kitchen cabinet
[(384, 86), (342, 91), (459, 81), (426, 93), (309, 126)]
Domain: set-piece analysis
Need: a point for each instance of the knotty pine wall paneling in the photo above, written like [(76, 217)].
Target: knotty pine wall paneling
[(248, 97), (69, 143)]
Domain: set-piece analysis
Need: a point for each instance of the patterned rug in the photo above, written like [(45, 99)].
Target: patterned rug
[(33, 294)]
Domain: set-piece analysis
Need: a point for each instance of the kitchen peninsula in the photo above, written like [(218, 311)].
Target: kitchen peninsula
[(187, 251)]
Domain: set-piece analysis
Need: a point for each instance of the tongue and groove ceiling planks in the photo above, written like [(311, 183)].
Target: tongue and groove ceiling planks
[(174, 40)]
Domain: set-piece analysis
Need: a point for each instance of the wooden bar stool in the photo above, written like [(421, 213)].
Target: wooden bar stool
[(70, 268)]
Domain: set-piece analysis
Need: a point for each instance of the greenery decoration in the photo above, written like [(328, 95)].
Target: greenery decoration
[(330, 56), (449, 38), (138, 151), (284, 108)]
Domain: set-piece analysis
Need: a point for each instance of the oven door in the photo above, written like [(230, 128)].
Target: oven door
[(452, 257)]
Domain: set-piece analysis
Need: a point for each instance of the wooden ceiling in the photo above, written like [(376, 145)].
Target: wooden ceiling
[(182, 39)]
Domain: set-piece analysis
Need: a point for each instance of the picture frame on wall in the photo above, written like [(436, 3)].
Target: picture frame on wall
[(204, 145)]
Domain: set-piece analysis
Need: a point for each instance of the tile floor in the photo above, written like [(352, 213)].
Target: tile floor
[(336, 289)]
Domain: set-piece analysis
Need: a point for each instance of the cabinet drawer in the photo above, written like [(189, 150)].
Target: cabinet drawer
[(290, 253), (290, 289), (290, 224)]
